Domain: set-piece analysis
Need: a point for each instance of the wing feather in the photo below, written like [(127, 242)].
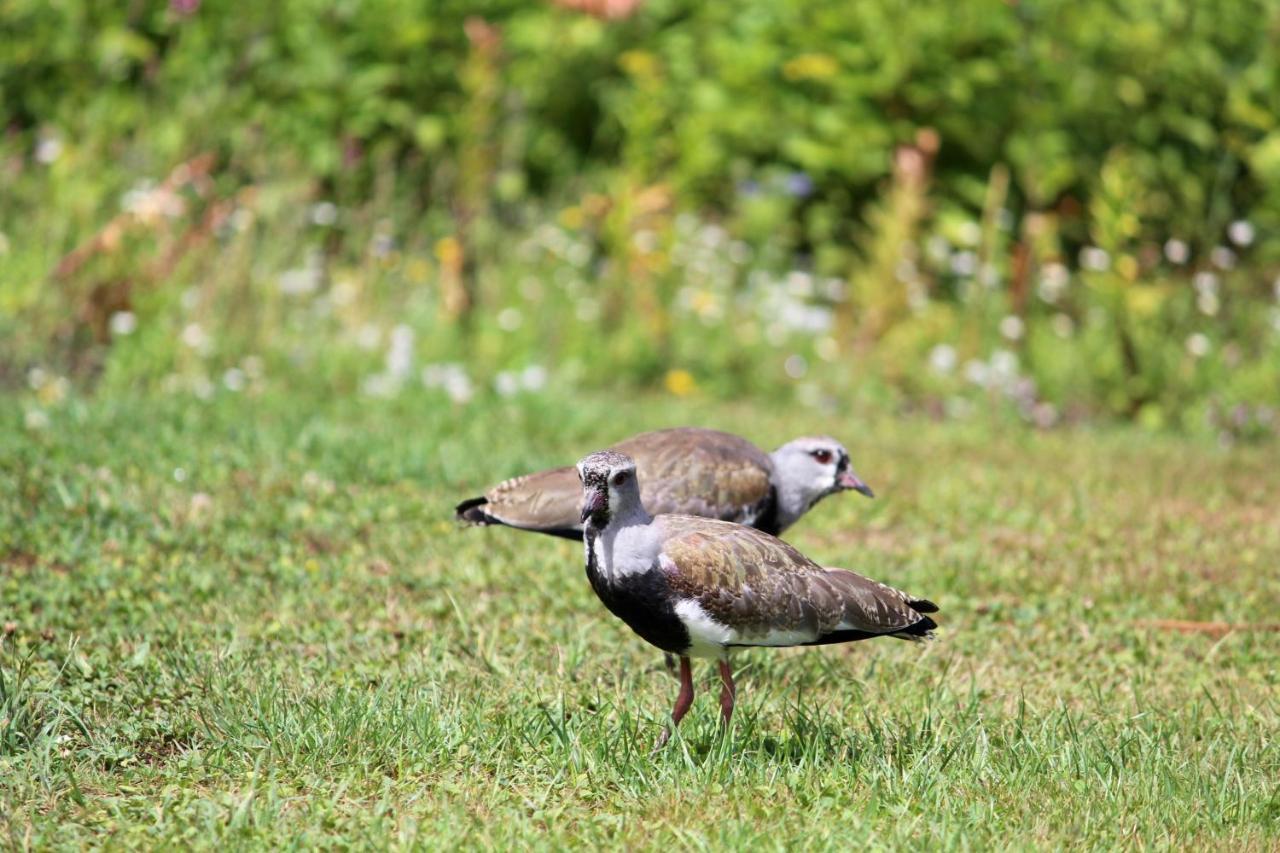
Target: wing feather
[(763, 589)]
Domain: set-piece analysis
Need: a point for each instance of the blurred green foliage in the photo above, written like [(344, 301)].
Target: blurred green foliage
[(1069, 205)]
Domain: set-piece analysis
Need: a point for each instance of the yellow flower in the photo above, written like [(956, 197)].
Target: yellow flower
[(418, 270), (571, 218), (811, 66), (680, 382), (1127, 266), (639, 63), (449, 251)]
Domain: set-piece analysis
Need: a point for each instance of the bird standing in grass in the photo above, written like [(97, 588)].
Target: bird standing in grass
[(688, 470), (698, 587)]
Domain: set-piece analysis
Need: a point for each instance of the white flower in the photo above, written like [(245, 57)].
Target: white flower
[(122, 323), (1053, 282), (942, 358), (1198, 345), (510, 319), (382, 245), (1177, 251), (578, 254), (1004, 364), (344, 293), (380, 385), (1207, 303), (977, 372), (451, 377), (1012, 327), (180, 475), (241, 219), (324, 213), (36, 378), (1241, 232), (458, 387), (300, 281), (988, 275), (35, 419), (795, 366), (202, 387), (1205, 282), (234, 379), (1222, 258), (964, 263), (195, 337), (506, 383), (400, 353), (1095, 259), (834, 289), (48, 149), (533, 377), (799, 283)]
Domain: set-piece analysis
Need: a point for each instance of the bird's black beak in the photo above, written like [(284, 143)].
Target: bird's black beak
[(594, 501), (847, 480)]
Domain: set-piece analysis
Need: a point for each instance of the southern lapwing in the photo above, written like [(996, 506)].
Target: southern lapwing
[(698, 587), (686, 470)]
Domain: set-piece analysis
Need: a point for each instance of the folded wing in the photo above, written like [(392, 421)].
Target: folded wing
[(764, 592)]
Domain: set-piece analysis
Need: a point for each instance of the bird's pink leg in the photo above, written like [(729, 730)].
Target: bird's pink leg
[(683, 701), (727, 693)]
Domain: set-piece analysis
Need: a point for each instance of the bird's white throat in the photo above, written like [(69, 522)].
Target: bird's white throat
[(627, 545)]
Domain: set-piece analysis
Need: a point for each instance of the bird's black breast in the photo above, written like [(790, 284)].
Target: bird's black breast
[(767, 520), (644, 601)]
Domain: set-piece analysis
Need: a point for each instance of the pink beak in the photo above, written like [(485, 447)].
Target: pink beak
[(849, 480)]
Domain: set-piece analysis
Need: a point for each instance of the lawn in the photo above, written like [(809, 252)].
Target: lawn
[(254, 622)]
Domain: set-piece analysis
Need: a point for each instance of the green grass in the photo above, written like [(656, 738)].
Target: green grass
[(293, 643)]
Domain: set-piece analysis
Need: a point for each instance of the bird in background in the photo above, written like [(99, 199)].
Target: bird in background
[(700, 587), (687, 470)]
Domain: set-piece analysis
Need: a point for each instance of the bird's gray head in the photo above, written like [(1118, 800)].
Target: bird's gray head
[(609, 487), (813, 467)]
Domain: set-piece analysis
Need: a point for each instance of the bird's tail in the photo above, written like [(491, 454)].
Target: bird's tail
[(469, 511)]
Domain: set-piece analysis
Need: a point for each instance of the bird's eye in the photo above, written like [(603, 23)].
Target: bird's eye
[(822, 457), (620, 478)]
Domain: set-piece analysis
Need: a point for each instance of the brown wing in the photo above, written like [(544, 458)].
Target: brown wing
[(764, 589), (546, 501), (689, 470), (701, 472)]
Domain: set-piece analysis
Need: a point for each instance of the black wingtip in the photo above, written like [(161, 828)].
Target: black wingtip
[(922, 605), (922, 630), (469, 510)]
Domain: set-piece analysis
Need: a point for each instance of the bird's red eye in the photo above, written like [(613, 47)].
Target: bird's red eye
[(620, 478), (822, 457)]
